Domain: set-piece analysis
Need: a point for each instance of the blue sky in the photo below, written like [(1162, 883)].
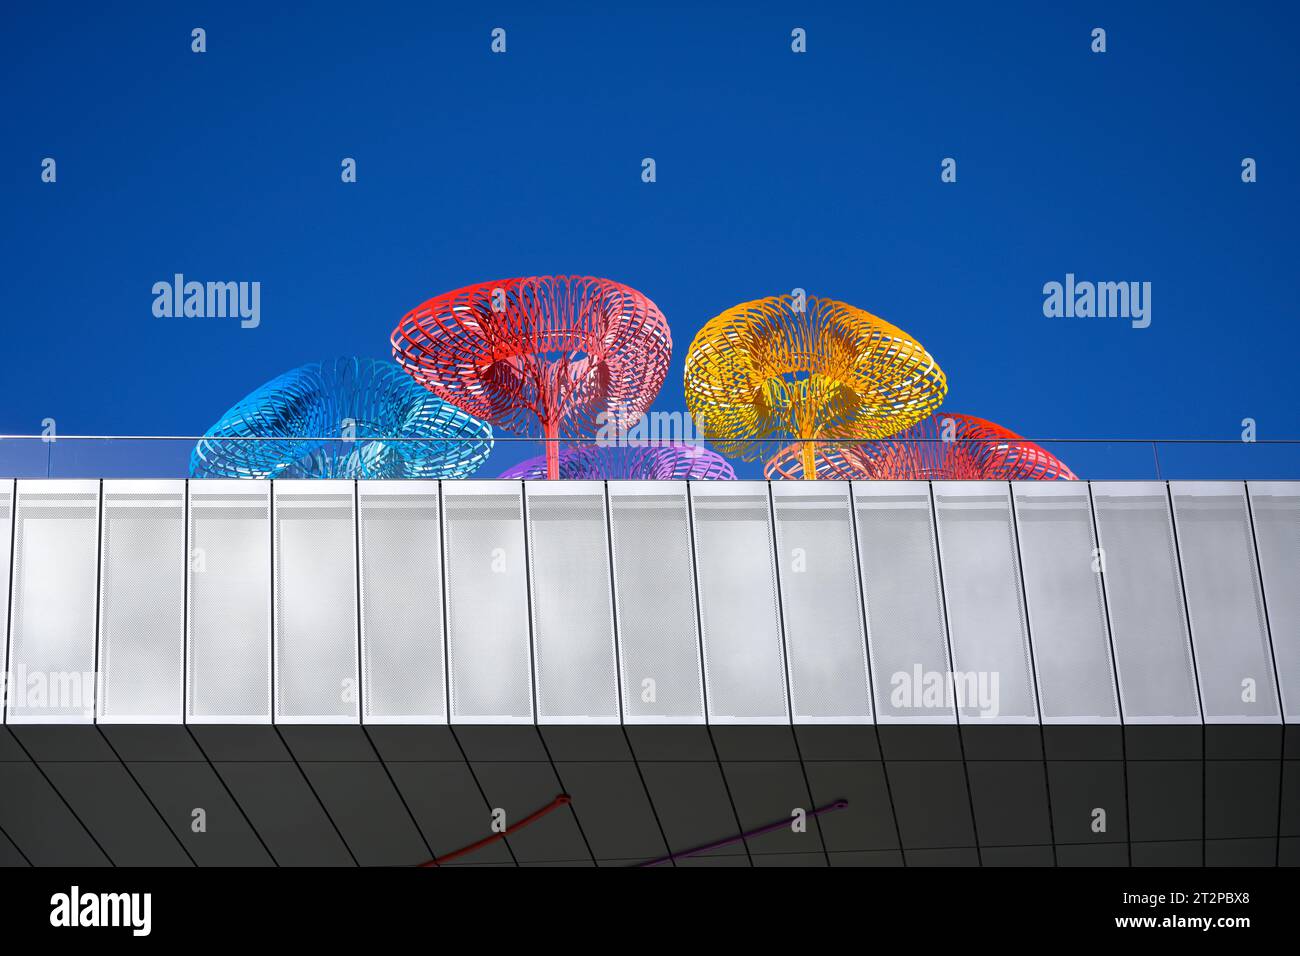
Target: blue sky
[(774, 170)]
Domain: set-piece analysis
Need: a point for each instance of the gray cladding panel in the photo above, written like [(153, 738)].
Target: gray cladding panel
[(1144, 593), (744, 666), (821, 602), (402, 673), (1234, 660), (1275, 507), (488, 638), (986, 615), (142, 602), (1067, 617), (906, 631), (654, 590)]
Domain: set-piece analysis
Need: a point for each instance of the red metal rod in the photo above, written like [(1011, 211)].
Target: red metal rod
[(562, 800)]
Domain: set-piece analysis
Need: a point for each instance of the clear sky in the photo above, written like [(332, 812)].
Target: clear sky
[(774, 170)]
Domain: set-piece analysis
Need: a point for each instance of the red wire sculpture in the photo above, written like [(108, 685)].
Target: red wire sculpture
[(942, 446), (568, 354)]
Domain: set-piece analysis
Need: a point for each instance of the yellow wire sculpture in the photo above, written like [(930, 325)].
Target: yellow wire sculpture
[(805, 369)]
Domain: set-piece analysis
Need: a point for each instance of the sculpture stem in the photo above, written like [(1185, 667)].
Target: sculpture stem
[(809, 452), (551, 432)]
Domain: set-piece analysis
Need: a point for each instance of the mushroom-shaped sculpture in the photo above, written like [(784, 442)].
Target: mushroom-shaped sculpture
[(551, 354), (806, 370), (653, 462), (342, 418), (942, 446)]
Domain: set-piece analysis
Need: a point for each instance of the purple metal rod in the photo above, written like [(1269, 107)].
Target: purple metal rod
[(718, 844)]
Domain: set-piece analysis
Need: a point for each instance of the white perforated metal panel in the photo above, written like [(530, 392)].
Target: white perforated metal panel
[(1276, 509), (403, 680), (573, 622), (228, 645), (316, 637), (55, 572), (993, 675), (906, 632), (142, 603), (1144, 595), (488, 640), (1234, 661), (654, 590), (1067, 615), (6, 551), (744, 663), (821, 602)]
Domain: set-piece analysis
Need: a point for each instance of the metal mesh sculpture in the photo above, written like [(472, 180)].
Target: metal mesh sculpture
[(814, 370), (563, 355), (654, 462), (330, 420), (942, 446)]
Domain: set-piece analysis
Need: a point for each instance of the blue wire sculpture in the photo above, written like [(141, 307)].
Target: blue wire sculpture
[(331, 420)]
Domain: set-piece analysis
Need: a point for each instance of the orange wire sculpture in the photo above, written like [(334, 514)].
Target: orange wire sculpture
[(807, 370), (942, 446), (566, 354)]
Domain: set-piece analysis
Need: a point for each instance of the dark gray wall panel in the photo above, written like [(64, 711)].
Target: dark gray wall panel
[(986, 616), (1063, 595), (40, 823), (361, 801), (1275, 506), (285, 812), (694, 808), (924, 821), (113, 808), (142, 603), (520, 788), (767, 792), (654, 591), (1234, 660), (9, 854), (613, 809), (867, 823), (449, 809), (821, 603), (402, 672), (906, 633), (573, 618), (177, 789), (489, 645), (1144, 593), (1078, 789), (744, 661)]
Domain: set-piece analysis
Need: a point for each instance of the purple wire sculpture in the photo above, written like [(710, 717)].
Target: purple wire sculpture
[(650, 462)]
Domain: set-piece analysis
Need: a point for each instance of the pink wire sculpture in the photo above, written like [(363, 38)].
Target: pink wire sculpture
[(655, 462), (945, 445), (563, 355)]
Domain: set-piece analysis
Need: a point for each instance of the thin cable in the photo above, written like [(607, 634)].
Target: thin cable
[(561, 800), (718, 844)]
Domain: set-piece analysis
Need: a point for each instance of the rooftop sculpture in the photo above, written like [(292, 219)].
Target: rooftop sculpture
[(336, 419), (551, 356), (807, 370)]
